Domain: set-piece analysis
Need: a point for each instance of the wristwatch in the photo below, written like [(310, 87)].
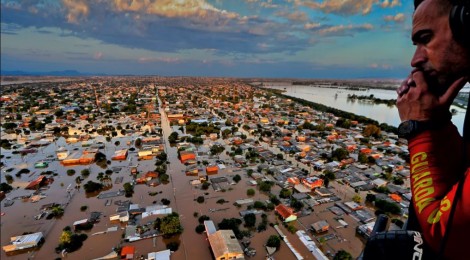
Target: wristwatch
[(410, 128)]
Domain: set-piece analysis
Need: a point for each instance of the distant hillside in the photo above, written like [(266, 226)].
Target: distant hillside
[(46, 73)]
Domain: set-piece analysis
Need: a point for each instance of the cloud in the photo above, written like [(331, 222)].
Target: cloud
[(309, 26), (76, 9), (398, 18), (380, 66), (170, 8), (393, 3), (158, 59), (297, 16), (345, 30), (268, 4), (340, 7)]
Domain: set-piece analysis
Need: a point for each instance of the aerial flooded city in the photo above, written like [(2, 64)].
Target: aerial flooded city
[(193, 168)]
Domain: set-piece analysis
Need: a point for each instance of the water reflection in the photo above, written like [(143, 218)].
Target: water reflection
[(338, 98)]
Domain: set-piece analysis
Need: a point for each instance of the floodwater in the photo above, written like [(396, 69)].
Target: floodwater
[(337, 98), (19, 218)]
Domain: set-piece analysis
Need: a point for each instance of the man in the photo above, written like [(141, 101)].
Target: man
[(438, 156)]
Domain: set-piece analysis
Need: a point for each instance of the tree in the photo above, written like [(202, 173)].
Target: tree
[(340, 154), (265, 186), (370, 197), (9, 126), (357, 198), (171, 225), (128, 189), (250, 192), (200, 199), (5, 187), (57, 211), (274, 241), (85, 172), (65, 237), (362, 158), (203, 218), (273, 198), (237, 178), (371, 130), (91, 186), (232, 223), (342, 255), (285, 193), (250, 220), (200, 228)]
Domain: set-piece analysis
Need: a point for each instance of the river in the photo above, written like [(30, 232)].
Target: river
[(337, 98)]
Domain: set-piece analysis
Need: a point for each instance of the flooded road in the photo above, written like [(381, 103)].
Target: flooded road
[(19, 218)]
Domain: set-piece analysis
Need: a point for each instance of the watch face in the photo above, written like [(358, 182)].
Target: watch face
[(406, 128)]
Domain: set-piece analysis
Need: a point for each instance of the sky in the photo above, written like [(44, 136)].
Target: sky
[(343, 39)]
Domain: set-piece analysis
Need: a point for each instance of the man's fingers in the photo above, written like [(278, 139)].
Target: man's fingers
[(405, 86), (448, 97), (420, 81)]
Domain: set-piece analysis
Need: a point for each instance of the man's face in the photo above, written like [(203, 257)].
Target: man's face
[(441, 58)]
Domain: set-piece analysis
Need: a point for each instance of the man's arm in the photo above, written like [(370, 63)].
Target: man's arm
[(437, 165)]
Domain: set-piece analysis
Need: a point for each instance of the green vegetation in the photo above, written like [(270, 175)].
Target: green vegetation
[(200, 199), (216, 149), (70, 172), (250, 220), (85, 172), (128, 189), (388, 207), (173, 137), (83, 208), (338, 113), (203, 218), (200, 228), (69, 241), (5, 187), (8, 178), (274, 241), (265, 186), (342, 255), (285, 193), (91, 186), (250, 192), (237, 178), (171, 225), (233, 224)]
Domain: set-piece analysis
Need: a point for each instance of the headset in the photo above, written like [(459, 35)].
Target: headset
[(459, 21)]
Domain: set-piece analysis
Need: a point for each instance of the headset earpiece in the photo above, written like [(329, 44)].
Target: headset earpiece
[(459, 20)]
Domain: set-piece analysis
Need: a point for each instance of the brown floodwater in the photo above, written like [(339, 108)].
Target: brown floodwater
[(18, 218)]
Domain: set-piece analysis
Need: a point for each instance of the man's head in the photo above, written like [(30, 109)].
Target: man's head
[(438, 54)]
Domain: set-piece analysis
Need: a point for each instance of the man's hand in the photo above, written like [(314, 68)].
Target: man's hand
[(416, 102)]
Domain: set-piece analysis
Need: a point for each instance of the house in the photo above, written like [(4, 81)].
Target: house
[(286, 213), (120, 155), (320, 226), (187, 156), (122, 217), (160, 255), (127, 252), (212, 169), (40, 181), (225, 245), (312, 182), (24, 242)]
